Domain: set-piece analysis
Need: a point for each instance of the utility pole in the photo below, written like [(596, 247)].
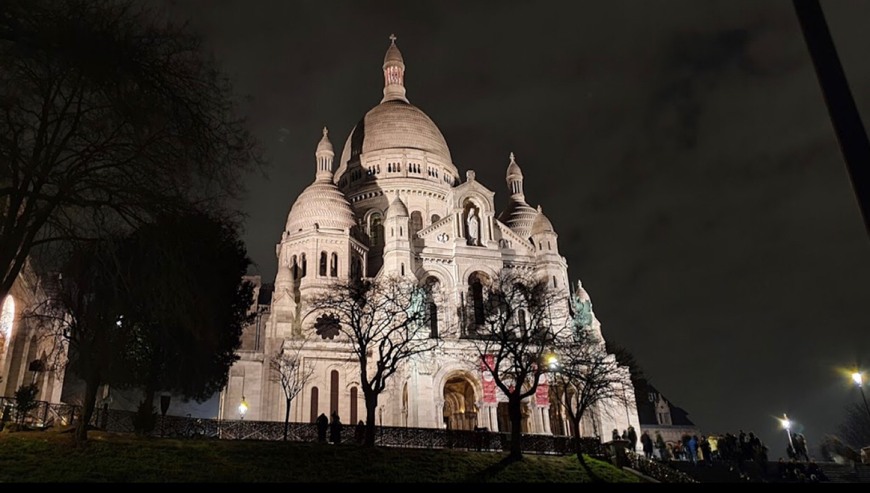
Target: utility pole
[(841, 106)]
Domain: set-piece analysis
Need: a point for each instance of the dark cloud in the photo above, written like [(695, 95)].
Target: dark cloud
[(682, 149)]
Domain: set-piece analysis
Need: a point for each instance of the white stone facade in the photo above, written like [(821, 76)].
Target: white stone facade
[(396, 205)]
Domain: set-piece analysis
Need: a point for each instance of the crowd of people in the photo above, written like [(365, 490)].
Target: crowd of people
[(735, 450)]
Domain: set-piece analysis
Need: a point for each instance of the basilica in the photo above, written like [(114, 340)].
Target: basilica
[(396, 205)]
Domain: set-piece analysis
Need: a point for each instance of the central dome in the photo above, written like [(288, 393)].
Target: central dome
[(394, 124)]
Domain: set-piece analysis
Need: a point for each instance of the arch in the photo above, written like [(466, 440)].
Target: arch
[(333, 265), (333, 391), (477, 281), (322, 270), (435, 218), (416, 223), (376, 229), (7, 317), (433, 289), (460, 401), (314, 396), (354, 413), (294, 267)]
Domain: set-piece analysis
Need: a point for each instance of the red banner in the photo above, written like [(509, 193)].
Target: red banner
[(487, 362), (542, 393)]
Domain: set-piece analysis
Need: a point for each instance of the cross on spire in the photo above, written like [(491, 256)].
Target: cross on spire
[(393, 38)]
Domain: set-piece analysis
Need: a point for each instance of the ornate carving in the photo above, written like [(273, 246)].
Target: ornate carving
[(327, 326)]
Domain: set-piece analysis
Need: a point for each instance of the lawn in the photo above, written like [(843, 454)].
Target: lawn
[(51, 457)]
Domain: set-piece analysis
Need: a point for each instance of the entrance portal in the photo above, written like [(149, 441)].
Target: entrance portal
[(460, 410)]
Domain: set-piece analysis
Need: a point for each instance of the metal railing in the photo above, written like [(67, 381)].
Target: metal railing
[(46, 415)]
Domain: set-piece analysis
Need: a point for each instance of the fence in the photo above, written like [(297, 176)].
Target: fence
[(46, 415)]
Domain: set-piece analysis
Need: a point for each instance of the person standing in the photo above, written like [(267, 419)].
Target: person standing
[(335, 429), (322, 423), (647, 444)]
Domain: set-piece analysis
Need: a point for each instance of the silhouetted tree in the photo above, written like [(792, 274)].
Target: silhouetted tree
[(854, 429), (289, 370), (25, 401), (109, 114), (186, 302), (385, 322), (518, 323), (584, 375), (85, 305)]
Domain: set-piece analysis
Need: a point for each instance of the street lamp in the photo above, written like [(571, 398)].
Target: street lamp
[(858, 378), (786, 423), (243, 408)]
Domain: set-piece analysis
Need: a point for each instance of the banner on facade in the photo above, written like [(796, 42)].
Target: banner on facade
[(488, 361), (542, 393)]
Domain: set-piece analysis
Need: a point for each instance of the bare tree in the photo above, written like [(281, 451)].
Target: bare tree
[(855, 427), (583, 375), (519, 322), (289, 369), (109, 114), (385, 322), (85, 306)]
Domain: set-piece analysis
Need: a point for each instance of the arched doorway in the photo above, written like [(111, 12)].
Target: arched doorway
[(504, 419), (460, 407)]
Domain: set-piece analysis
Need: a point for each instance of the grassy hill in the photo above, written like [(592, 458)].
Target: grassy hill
[(51, 457)]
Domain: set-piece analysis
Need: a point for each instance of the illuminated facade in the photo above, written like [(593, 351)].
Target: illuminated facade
[(396, 205)]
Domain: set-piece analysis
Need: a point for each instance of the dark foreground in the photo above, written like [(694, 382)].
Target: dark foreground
[(48, 456)]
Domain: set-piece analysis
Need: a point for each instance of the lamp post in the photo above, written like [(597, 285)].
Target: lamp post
[(786, 423), (858, 378), (243, 408)]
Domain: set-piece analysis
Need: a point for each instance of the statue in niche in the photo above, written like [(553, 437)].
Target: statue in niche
[(473, 225)]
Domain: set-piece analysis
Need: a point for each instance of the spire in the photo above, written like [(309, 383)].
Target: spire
[(324, 155), (394, 73), (515, 179)]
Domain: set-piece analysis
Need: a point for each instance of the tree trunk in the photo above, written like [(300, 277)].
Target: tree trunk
[(92, 384), (516, 416), (287, 419), (575, 430), (371, 408)]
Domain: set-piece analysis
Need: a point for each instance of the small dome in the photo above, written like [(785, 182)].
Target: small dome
[(542, 224), (393, 55), (324, 146), (519, 216), (513, 171), (321, 204), (397, 208)]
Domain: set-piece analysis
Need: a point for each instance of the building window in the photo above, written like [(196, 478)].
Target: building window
[(333, 392), (333, 266), (416, 223), (322, 271), (376, 229), (354, 415), (435, 218), (304, 266), (313, 404)]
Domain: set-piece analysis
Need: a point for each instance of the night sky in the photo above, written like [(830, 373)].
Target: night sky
[(682, 150)]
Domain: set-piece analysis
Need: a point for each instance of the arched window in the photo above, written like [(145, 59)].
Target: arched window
[(433, 287), (376, 229), (304, 266), (294, 267), (354, 414), (355, 267), (416, 223), (435, 218), (555, 285), (402, 269), (333, 265), (521, 319), (7, 317), (333, 392), (476, 287), (322, 264), (313, 404)]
